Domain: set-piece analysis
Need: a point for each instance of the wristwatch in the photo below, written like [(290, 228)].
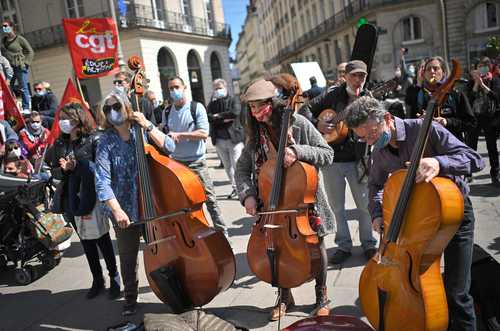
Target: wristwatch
[(150, 127)]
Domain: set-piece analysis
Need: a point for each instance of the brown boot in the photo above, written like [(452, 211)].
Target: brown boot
[(280, 310), (322, 307)]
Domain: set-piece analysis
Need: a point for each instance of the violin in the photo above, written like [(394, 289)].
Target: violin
[(187, 262), (401, 287)]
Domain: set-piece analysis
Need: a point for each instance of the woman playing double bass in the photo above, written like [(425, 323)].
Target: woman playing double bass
[(305, 143), (445, 155)]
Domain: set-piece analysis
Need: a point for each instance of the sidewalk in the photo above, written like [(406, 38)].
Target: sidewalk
[(56, 301)]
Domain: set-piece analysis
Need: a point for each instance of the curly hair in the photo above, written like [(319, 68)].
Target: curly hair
[(363, 109)]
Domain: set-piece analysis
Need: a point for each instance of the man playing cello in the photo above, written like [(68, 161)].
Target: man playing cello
[(393, 140)]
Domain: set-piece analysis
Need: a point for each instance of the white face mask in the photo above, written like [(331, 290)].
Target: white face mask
[(66, 126), (36, 126), (15, 153)]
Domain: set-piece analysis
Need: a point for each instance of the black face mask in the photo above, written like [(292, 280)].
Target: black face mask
[(11, 173)]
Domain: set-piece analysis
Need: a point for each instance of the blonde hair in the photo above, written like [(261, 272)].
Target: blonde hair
[(126, 109)]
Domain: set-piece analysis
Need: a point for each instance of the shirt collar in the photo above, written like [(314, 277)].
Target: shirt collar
[(400, 129)]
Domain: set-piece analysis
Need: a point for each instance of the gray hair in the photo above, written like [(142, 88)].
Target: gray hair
[(364, 109), (220, 81)]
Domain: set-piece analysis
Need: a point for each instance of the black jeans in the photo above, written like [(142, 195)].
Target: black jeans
[(92, 254), (490, 135), (457, 274)]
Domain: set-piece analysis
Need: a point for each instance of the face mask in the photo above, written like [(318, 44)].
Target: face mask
[(176, 95), (7, 29), (156, 103), (118, 89), (12, 173), (411, 70), (66, 126), (263, 111), (115, 118), (383, 140), (351, 92), (36, 126), (40, 93), (483, 71), (220, 93), (398, 73)]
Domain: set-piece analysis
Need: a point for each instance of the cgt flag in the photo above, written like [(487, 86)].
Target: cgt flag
[(9, 109), (93, 45), (70, 95)]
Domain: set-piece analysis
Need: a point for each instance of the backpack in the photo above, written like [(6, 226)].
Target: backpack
[(166, 113)]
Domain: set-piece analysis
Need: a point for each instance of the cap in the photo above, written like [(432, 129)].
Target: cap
[(260, 90), (355, 66)]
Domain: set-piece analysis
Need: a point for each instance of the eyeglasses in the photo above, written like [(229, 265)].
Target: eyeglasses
[(5, 25), (118, 82), (38, 89), (116, 106)]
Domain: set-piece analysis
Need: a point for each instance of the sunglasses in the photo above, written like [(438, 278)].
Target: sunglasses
[(118, 81), (38, 89), (116, 106), (5, 25)]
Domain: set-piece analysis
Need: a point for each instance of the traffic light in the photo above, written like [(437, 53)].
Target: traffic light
[(361, 21)]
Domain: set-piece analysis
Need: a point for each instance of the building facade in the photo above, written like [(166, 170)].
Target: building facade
[(324, 31), (249, 48), (187, 38)]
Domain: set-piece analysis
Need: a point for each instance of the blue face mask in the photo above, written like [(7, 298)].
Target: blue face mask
[(220, 93), (40, 93), (483, 70), (176, 95), (115, 118), (383, 140), (7, 29)]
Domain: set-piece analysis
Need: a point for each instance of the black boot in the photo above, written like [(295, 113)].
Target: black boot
[(321, 308), (97, 287), (114, 287), (280, 310)]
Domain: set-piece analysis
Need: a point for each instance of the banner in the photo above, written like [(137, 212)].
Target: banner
[(93, 45), (10, 110), (70, 95)]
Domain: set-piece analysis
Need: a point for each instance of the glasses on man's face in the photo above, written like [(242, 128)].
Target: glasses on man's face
[(5, 25), (107, 108), (118, 82), (38, 89)]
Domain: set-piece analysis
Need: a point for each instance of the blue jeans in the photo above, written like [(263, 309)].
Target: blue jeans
[(335, 177), (21, 75), (457, 274)]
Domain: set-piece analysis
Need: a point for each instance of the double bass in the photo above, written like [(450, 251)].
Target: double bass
[(283, 248), (401, 287), (187, 262)]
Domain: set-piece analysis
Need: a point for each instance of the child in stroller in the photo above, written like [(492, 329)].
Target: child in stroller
[(26, 233)]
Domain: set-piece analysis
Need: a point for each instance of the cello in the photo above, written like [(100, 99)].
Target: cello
[(187, 263), (283, 249), (401, 287)]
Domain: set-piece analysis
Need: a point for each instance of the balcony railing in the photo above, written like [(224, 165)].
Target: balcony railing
[(327, 27), (140, 16)]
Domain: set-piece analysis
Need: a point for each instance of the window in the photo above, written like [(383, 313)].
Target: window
[(412, 28), (327, 54), (314, 16), (320, 56), (308, 18), (215, 66), (338, 54), (347, 44), (486, 17), (75, 8), (210, 14), (186, 7)]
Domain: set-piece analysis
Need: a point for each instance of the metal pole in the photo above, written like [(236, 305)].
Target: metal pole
[(121, 63), (444, 27)]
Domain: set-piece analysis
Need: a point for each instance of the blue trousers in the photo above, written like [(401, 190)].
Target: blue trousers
[(21, 76)]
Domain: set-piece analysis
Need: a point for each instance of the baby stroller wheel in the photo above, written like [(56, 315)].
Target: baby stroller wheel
[(49, 261), (23, 276)]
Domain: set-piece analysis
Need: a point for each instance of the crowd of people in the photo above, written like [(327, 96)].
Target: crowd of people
[(94, 160)]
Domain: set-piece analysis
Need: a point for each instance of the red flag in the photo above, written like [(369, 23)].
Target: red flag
[(11, 111), (70, 95), (93, 45)]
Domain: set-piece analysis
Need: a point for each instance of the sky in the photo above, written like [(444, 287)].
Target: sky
[(234, 15)]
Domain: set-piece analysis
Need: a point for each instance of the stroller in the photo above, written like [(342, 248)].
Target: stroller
[(27, 232)]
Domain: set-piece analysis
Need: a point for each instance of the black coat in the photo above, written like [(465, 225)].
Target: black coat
[(227, 108), (335, 98), (46, 104), (456, 110)]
